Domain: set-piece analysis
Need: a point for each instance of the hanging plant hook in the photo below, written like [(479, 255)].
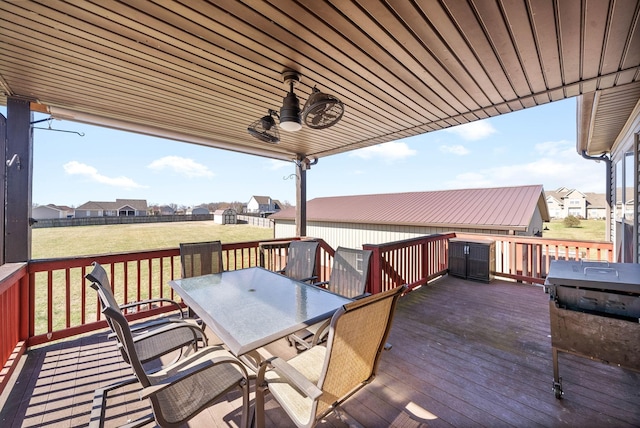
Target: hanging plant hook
[(49, 128)]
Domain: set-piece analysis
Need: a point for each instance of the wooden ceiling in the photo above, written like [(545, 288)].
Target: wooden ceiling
[(202, 71)]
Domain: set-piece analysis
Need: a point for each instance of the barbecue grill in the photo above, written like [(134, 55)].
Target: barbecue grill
[(594, 312)]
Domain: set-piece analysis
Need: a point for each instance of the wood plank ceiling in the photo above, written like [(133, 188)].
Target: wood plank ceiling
[(202, 71)]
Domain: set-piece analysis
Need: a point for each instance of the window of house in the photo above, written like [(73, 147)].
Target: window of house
[(629, 197), (624, 207)]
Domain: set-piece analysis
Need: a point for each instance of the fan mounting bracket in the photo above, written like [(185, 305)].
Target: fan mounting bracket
[(291, 77)]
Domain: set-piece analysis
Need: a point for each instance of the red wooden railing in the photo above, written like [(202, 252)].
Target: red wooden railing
[(527, 259), (413, 262), (60, 304), (13, 318)]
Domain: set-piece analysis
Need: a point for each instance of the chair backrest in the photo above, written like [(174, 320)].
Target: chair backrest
[(121, 328), (201, 258), (100, 283), (357, 334), (350, 272), (301, 260)]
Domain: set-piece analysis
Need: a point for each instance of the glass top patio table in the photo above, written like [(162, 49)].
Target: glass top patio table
[(250, 308)]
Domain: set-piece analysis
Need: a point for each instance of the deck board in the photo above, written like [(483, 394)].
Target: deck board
[(465, 354)]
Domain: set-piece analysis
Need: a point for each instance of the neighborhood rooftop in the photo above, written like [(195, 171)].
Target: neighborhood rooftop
[(488, 208)]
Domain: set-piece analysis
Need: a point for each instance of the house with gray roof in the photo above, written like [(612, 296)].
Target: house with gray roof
[(119, 208), (563, 202), (42, 212), (263, 205), (352, 221)]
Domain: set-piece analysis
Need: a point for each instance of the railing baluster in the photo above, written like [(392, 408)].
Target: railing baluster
[(67, 297)]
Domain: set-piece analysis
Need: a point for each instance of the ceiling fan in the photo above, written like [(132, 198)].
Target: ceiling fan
[(319, 112)]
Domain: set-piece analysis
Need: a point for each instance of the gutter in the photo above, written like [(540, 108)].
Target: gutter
[(607, 161)]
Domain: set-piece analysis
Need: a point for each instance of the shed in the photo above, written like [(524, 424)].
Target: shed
[(225, 216)]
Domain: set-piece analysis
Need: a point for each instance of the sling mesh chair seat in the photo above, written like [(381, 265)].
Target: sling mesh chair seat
[(349, 275), (301, 260), (155, 338), (315, 382), (181, 390)]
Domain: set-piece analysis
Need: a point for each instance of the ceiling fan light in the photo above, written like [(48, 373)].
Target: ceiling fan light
[(290, 119)]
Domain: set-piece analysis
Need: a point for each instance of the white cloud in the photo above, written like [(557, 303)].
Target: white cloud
[(473, 130), (558, 165), (455, 149), (180, 165), (554, 148), (391, 151), (275, 164), (77, 168)]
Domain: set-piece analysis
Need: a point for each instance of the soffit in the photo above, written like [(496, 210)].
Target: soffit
[(201, 72), (603, 116)]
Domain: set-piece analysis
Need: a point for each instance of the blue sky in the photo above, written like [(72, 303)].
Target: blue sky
[(532, 146)]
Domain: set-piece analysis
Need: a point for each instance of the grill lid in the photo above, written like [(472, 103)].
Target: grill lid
[(621, 277)]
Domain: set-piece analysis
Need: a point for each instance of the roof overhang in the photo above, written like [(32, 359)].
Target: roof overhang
[(605, 117), (203, 74)]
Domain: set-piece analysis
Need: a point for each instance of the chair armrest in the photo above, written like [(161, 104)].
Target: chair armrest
[(198, 334), (189, 372), (287, 371), (311, 278), (321, 333), (151, 324), (321, 284), (155, 300)]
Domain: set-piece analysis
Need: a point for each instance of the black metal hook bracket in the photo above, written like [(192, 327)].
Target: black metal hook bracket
[(49, 128)]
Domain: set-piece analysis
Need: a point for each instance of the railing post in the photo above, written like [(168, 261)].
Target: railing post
[(375, 271), (426, 272)]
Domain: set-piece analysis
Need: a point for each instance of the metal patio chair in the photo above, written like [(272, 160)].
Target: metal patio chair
[(314, 383), (180, 391), (349, 275), (154, 338), (201, 258), (301, 260)]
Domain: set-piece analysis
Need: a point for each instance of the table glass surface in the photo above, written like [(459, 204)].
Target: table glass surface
[(250, 308)]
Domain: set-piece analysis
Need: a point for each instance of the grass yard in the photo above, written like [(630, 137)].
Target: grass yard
[(92, 240), (589, 230), (68, 293)]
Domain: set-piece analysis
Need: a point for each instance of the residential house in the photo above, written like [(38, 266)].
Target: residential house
[(596, 206), (555, 205), (198, 211), (609, 132), (161, 210), (563, 202), (352, 221), (52, 211), (119, 208), (263, 205)]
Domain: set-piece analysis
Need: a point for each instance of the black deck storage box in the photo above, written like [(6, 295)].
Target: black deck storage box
[(473, 259)]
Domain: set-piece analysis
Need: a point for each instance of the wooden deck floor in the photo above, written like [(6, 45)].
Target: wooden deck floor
[(464, 354)]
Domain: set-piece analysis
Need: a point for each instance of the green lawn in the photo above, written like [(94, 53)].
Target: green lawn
[(94, 240), (589, 230), (90, 240)]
